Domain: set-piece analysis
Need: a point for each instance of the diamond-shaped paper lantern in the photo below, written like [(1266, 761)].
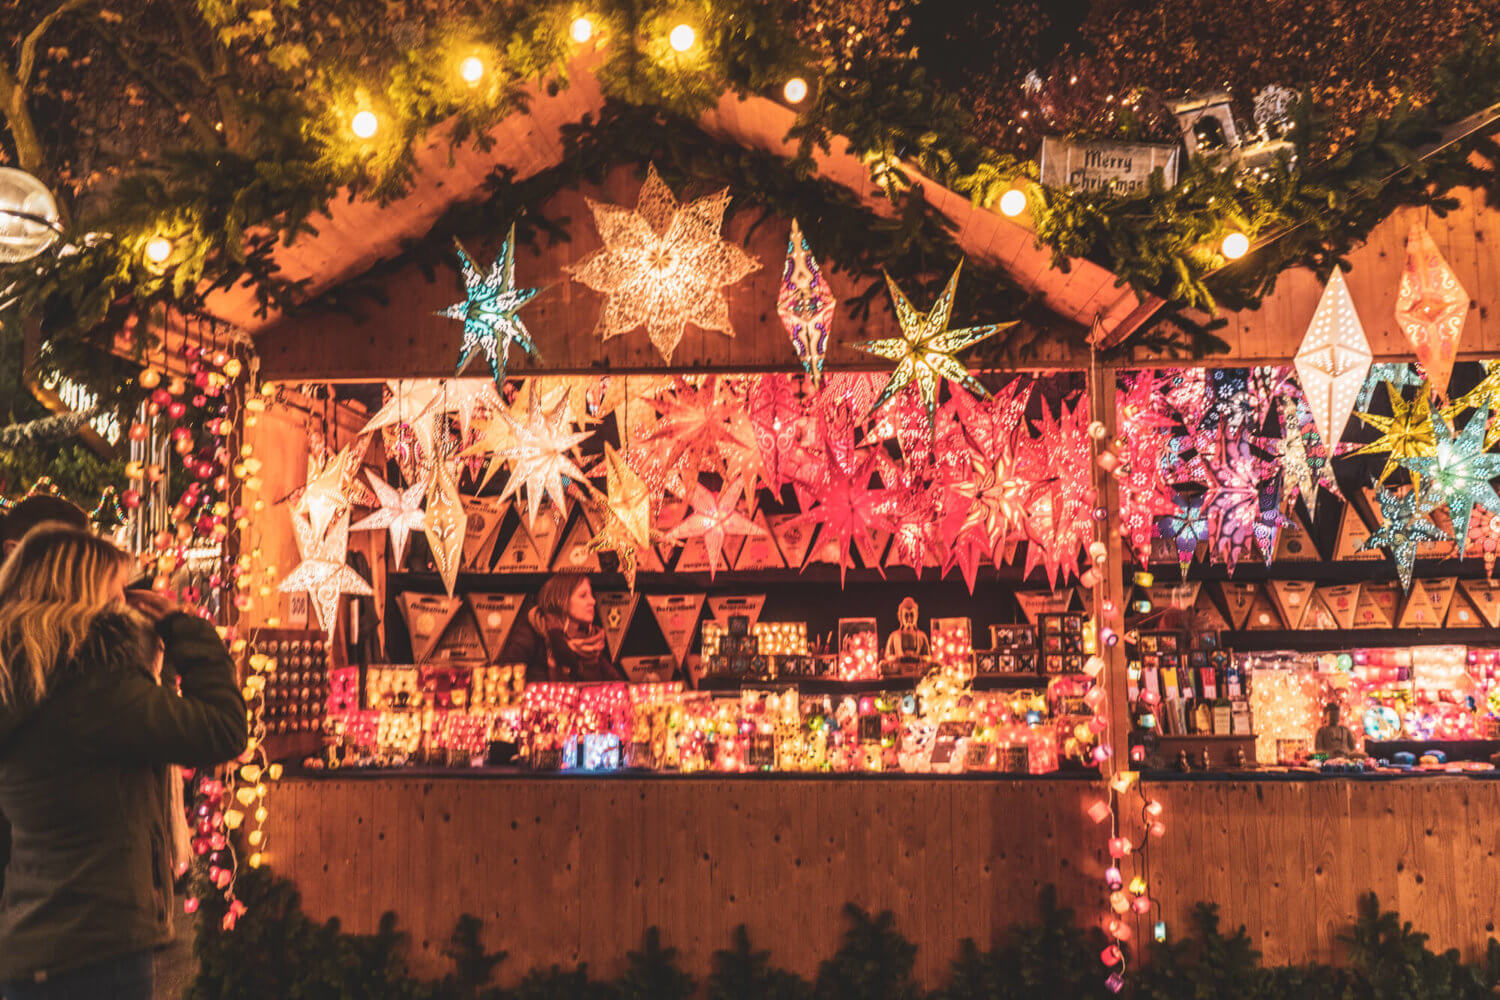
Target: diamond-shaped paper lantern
[(1431, 307), (1333, 360)]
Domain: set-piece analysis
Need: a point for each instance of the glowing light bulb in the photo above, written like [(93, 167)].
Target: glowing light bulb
[(365, 125), (582, 29), (683, 37), (795, 90), (158, 249), (1236, 245), (1013, 202), (471, 69)]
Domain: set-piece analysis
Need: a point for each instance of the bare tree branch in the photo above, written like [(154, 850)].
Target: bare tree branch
[(27, 60)]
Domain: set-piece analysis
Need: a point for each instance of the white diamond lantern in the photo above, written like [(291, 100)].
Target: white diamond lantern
[(1333, 360)]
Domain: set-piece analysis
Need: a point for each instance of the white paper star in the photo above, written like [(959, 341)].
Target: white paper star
[(400, 511), (322, 572), (539, 457)]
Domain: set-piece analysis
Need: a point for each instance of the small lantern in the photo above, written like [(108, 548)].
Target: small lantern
[(28, 217)]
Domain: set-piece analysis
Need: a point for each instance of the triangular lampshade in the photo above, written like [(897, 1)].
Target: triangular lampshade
[(1431, 307), (1333, 360)]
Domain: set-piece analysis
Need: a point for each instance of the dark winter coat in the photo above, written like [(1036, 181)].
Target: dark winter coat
[(545, 651), (83, 782)]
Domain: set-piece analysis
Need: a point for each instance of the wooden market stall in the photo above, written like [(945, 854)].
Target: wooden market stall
[(566, 868)]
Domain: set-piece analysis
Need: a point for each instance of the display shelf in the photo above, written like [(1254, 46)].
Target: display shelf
[(1320, 570), (1339, 640), (1232, 752), (827, 685)]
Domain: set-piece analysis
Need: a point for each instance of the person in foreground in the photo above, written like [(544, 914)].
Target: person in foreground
[(90, 720)]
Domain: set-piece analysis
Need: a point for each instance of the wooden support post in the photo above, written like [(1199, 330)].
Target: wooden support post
[(1101, 381)]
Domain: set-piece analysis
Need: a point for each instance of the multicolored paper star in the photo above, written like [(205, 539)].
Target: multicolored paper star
[(805, 305), (490, 310), (924, 353)]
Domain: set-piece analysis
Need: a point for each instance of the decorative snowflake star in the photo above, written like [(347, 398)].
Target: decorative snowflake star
[(714, 519), (1403, 527), (663, 266), (490, 309), (925, 351)]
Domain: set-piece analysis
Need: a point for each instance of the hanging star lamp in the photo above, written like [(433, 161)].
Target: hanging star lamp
[(663, 266), (400, 512), (1458, 473), (1406, 434), (805, 305), (924, 353), (1430, 307), (490, 310), (445, 524), (1403, 527), (541, 453), (323, 497), (322, 572), (714, 518), (1333, 360)]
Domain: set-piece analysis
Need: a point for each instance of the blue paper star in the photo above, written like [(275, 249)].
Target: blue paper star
[(490, 310), (1403, 527), (1457, 475)]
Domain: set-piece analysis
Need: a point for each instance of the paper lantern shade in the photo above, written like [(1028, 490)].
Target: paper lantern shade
[(1431, 307), (1333, 360), (28, 216)]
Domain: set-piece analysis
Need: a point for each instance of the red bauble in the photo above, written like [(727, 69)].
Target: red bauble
[(131, 499), (161, 397), (176, 410), (139, 432)]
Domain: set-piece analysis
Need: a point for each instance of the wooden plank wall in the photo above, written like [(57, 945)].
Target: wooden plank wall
[(564, 871), (571, 870), (1290, 860), (1468, 238)]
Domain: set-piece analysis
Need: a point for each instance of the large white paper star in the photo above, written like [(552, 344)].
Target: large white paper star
[(322, 571), (490, 310), (663, 265), (323, 497), (400, 511)]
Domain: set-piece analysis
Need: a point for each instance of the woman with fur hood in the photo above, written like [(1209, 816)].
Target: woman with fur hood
[(90, 722)]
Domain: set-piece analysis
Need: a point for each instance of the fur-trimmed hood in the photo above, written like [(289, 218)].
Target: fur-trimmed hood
[(117, 641)]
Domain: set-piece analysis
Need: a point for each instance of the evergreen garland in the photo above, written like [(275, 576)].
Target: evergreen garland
[(276, 951), (227, 206)]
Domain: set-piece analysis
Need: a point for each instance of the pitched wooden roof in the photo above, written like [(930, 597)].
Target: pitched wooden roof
[(355, 235)]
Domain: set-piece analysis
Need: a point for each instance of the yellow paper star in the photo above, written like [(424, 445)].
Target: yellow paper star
[(663, 265), (925, 350), (445, 524), (1485, 394), (541, 455), (1405, 434), (325, 495)]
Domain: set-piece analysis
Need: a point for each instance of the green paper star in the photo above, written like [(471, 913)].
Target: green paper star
[(925, 350), (490, 310), (1402, 528), (1457, 474), (1405, 434)]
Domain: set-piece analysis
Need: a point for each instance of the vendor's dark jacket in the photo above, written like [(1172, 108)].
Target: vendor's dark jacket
[(83, 782), (547, 655)]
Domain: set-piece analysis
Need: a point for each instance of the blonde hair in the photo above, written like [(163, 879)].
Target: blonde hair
[(52, 587)]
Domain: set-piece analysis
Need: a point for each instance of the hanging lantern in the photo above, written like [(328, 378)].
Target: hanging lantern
[(28, 217)]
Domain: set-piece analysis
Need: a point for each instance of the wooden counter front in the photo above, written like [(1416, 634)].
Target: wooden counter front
[(571, 869)]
